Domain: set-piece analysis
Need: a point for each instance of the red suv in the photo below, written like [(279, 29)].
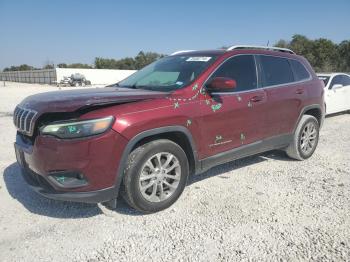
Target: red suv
[(180, 115)]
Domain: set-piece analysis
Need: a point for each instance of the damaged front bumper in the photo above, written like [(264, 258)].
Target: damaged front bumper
[(43, 187), (79, 170)]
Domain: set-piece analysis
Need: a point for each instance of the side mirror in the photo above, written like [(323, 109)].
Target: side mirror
[(337, 86), (221, 84)]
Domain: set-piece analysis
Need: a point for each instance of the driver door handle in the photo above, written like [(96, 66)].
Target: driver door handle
[(256, 99), (300, 91)]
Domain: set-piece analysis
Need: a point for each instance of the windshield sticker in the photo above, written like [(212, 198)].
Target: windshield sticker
[(198, 59)]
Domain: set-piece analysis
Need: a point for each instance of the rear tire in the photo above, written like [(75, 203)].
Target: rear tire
[(305, 138), (155, 176)]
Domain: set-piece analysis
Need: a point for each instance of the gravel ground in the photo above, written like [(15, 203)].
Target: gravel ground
[(264, 207)]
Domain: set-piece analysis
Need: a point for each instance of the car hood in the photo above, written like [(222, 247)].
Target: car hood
[(72, 100)]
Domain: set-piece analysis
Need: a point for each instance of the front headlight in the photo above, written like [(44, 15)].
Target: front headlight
[(78, 129)]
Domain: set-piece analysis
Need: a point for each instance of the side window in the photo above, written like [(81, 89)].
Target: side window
[(240, 68), (300, 72), (346, 80), (276, 70), (337, 80)]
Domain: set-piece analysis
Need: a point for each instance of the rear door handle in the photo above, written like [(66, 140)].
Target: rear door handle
[(256, 98), (300, 91)]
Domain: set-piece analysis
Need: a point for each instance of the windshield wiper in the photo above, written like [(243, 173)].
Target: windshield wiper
[(113, 85), (134, 86)]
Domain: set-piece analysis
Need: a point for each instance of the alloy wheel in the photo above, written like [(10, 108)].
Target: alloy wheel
[(308, 138), (160, 177)]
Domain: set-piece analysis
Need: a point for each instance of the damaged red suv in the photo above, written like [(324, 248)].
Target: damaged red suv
[(178, 116)]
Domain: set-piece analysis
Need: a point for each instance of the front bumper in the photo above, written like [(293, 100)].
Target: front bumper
[(42, 187), (95, 158)]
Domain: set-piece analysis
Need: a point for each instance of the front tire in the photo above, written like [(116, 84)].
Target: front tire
[(305, 138), (155, 176)]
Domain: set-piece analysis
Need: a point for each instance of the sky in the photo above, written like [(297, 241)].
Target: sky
[(68, 31)]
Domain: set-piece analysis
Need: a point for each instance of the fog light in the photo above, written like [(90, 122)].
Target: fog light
[(68, 179)]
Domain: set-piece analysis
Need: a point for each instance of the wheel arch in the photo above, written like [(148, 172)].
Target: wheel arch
[(178, 134), (314, 110)]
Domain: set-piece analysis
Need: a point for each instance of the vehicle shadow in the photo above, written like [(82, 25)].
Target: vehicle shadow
[(37, 204), (40, 205)]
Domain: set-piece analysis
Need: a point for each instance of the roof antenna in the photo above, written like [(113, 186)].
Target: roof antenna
[(268, 42)]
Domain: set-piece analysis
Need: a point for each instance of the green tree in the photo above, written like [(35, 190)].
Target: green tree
[(303, 46), (323, 54), (79, 65), (282, 43), (105, 63), (143, 59), (136, 63), (344, 56), (23, 67), (125, 63), (51, 66), (62, 65)]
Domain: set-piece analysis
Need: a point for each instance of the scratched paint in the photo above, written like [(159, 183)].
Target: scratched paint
[(215, 107), (194, 88), (242, 138), (60, 179), (219, 141), (189, 122), (218, 138)]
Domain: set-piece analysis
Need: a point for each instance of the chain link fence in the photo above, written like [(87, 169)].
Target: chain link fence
[(45, 76)]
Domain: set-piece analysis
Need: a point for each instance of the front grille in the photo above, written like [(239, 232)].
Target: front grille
[(24, 120)]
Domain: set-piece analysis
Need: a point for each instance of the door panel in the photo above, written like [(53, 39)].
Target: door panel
[(336, 98), (346, 98), (231, 120), (283, 106), (284, 95), (235, 118)]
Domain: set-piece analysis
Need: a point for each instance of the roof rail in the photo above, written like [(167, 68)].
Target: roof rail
[(182, 51), (260, 47)]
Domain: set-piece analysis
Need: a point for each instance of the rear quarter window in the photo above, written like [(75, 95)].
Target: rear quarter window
[(300, 72), (276, 70)]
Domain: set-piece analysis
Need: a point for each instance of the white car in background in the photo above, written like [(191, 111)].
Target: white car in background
[(337, 92)]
